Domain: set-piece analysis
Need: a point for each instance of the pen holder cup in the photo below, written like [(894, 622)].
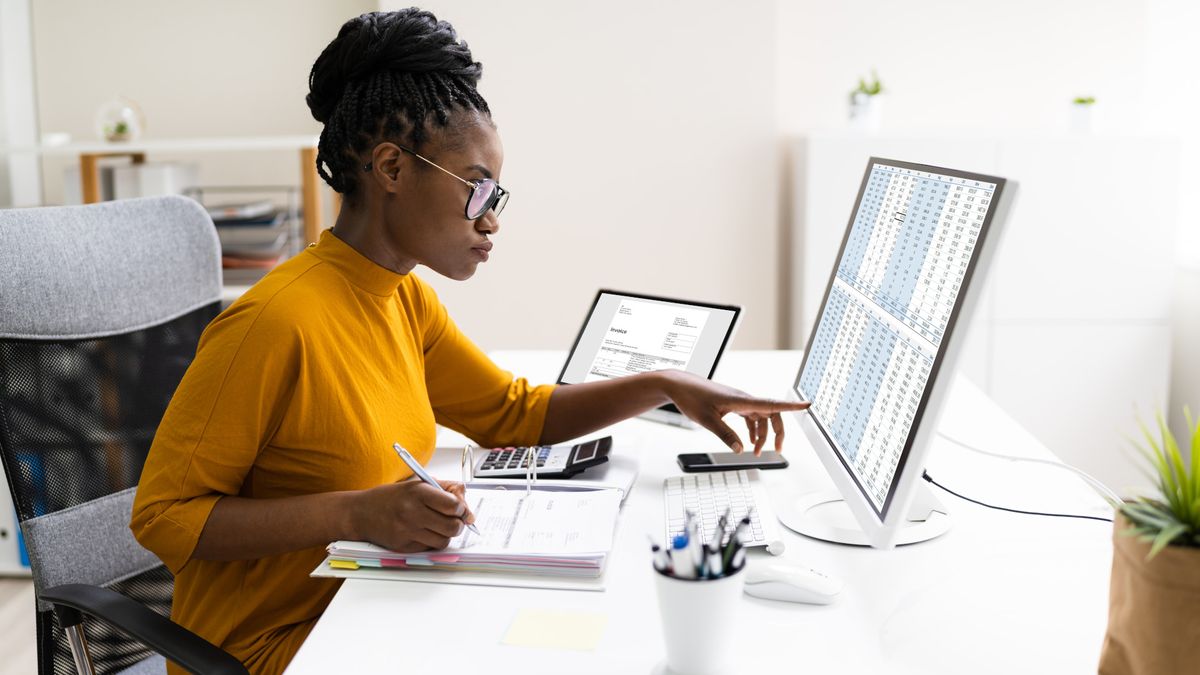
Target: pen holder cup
[(699, 621)]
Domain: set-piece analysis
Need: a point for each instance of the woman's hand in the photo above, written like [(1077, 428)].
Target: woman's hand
[(410, 516), (706, 403)]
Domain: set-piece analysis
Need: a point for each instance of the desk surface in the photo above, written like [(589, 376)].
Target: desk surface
[(999, 593)]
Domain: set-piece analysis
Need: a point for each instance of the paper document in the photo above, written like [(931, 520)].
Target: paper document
[(544, 532), (511, 521), (647, 336)]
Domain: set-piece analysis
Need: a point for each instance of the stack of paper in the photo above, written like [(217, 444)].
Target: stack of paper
[(543, 532)]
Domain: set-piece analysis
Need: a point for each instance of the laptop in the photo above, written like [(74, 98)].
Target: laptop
[(630, 333)]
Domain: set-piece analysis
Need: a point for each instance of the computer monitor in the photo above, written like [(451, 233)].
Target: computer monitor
[(882, 353)]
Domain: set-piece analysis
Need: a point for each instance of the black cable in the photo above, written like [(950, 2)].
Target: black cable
[(926, 476)]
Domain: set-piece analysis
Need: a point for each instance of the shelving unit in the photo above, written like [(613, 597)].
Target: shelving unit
[(90, 153), (207, 195)]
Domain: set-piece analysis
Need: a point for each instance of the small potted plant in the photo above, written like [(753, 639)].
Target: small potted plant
[(866, 103), (1081, 113), (119, 120), (1154, 595)]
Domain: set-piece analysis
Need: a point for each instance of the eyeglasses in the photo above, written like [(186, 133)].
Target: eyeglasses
[(485, 194)]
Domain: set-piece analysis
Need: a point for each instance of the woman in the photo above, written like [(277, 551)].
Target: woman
[(279, 437)]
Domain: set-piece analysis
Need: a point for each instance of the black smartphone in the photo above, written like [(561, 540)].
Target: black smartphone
[(730, 461)]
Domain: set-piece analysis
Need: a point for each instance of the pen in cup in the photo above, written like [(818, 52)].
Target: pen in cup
[(419, 471), (682, 564)]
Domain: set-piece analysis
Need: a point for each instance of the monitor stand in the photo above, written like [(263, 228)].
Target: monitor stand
[(825, 516)]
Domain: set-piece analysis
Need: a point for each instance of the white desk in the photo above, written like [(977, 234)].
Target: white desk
[(1000, 593)]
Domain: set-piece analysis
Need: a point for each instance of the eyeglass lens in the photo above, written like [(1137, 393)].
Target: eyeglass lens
[(483, 197)]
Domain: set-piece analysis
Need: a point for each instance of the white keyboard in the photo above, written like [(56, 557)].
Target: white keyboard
[(707, 495)]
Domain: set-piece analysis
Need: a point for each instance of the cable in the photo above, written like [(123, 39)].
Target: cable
[(926, 476), (1095, 484)]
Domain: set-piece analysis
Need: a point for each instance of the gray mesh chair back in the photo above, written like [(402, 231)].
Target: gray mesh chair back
[(101, 308)]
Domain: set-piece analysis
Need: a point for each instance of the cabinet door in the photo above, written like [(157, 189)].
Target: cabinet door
[(1091, 233), (1079, 388)]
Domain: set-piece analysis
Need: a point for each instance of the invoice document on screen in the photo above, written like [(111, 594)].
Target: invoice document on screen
[(647, 336)]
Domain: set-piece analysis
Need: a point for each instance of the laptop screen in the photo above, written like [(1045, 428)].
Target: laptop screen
[(627, 333)]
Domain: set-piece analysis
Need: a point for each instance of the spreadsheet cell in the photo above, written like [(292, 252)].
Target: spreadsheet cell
[(867, 378), (911, 242), (904, 262)]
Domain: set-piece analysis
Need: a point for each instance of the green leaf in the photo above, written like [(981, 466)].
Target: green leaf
[(1194, 479), (1150, 451), (1173, 516), (1165, 538), (1143, 513), (1179, 474)]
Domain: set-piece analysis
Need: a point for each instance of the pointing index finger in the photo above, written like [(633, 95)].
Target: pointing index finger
[(767, 406)]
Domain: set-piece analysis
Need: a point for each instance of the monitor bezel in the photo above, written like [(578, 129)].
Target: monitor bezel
[(587, 319), (948, 343)]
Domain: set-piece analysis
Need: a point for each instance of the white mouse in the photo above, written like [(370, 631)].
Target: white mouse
[(790, 583)]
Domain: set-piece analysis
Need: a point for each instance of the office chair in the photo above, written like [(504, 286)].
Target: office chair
[(101, 308)]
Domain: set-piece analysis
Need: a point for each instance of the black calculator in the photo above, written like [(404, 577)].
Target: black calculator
[(552, 461)]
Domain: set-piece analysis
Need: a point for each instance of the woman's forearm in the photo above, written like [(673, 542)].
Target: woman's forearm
[(577, 409), (240, 528)]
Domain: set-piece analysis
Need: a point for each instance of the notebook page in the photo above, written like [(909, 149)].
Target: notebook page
[(515, 522)]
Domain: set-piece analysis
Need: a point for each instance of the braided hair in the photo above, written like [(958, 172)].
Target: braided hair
[(387, 74)]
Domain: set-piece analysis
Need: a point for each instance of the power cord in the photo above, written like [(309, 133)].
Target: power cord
[(1113, 499), (927, 477)]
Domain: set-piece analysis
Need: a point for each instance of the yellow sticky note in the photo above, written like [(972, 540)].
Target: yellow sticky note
[(343, 564), (556, 629)]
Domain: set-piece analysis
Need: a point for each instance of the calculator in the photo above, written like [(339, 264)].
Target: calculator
[(553, 461)]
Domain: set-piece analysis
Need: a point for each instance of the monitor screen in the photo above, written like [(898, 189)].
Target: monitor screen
[(888, 311), (625, 334)]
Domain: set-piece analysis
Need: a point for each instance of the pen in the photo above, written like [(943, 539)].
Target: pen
[(662, 559), (420, 473), (714, 562), (695, 547), (739, 559), (681, 563), (735, 543), (719, 533)]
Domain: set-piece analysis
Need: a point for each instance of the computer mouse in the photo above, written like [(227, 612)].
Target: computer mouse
[(790, 582)]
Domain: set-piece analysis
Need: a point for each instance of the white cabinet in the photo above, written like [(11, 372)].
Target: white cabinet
[(1073, 335)]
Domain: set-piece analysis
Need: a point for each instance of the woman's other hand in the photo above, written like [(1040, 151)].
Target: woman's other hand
[(706, 403)]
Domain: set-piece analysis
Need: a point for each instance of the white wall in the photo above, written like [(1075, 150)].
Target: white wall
[(1185, 351), (962, 64), (983, 68), (19, 179), (214, 68), (640, 146)]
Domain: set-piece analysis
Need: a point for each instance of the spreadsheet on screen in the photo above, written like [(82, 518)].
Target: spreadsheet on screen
[(895, 288)]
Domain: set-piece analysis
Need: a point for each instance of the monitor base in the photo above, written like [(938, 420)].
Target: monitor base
[(825, 516)]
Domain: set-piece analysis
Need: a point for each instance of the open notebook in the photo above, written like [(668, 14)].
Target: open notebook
[(546, 538)]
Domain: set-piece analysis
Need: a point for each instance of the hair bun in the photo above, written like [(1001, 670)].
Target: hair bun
[(408, 40)]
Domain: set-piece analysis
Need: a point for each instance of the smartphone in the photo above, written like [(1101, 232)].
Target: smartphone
[(730, 461)]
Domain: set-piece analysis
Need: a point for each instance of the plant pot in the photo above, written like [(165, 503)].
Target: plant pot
[(1153, 609), (866, 112), (1081, 118)]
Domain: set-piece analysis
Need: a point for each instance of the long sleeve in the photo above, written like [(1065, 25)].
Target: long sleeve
[(224, 411), (469, 393)]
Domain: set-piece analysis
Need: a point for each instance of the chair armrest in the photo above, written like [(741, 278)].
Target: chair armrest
[(173, 641)]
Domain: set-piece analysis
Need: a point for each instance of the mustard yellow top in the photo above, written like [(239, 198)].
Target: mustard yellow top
[(298, 388)]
